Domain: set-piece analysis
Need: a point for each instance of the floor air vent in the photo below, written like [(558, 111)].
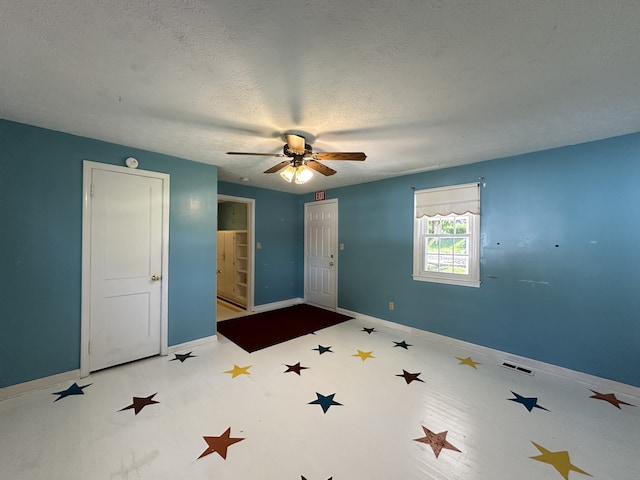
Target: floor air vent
[(517, 368)]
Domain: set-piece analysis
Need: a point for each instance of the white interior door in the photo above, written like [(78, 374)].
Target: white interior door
[(127, 227), (320, 253)]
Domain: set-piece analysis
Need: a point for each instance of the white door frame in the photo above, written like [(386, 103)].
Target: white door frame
[(251, 226), (85, 316), (335, 247)]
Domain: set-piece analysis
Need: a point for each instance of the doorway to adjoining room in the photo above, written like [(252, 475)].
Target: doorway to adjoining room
[(234, 272)]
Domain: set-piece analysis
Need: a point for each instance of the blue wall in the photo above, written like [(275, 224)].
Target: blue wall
[(40, 246), (574, 305), (279, 228)]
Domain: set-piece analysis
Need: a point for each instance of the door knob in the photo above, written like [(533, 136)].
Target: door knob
[(155, 278)]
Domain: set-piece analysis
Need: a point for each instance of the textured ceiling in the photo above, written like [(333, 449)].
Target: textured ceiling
[(416, 85)]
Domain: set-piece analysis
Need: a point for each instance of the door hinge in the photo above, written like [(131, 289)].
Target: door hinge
[(91, 190)]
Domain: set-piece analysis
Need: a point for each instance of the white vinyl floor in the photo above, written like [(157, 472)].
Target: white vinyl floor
[(345, 403)]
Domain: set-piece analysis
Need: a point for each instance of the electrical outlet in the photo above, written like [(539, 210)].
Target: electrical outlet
[(392, 305)]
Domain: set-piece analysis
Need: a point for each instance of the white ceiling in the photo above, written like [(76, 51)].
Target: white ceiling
[(417, 85)]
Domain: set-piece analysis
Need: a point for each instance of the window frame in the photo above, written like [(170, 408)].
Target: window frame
[(472, 279)]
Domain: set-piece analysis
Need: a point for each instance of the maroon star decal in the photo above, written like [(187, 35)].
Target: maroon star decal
[(438, 441), (409, 377), (295, 368), (140, 402), (611, 398), (220, 444)]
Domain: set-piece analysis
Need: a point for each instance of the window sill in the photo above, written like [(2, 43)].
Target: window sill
[(449, 281)]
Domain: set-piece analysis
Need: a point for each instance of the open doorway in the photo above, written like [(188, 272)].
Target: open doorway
[(235, 265)]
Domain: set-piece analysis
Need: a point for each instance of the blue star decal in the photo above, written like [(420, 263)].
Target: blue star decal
[(529, 402), (72, 390), (325, 402)]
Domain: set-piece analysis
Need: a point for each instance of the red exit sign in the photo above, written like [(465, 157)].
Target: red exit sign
[(321, 195)]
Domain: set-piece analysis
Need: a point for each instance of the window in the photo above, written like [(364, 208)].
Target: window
[(446, 247)]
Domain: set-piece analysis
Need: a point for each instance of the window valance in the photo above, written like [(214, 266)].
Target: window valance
[(458, 199)]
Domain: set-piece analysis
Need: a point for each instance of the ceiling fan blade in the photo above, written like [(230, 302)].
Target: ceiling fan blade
[(278, 166), (295, 142), (320, 168), (358, 156), (258, 154)]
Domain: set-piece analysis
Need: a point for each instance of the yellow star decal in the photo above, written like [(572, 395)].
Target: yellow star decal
[(236, 370), (363, 355), (559, 460), (468, 361)]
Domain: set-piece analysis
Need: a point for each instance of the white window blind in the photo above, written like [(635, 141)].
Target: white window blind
[(458, 199)]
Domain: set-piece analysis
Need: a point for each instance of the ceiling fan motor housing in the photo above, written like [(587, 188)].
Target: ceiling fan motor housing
[(290, 153)]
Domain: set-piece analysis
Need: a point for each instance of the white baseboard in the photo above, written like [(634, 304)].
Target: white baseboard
[(38, 383), (265, 307), (192, 344), (47, 382), (591, 381)]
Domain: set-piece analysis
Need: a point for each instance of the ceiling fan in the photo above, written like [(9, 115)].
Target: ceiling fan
[(302, 159)]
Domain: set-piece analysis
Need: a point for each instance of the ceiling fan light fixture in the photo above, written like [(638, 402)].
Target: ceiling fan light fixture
[(302, 163), (303, 174), (288, 173)]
